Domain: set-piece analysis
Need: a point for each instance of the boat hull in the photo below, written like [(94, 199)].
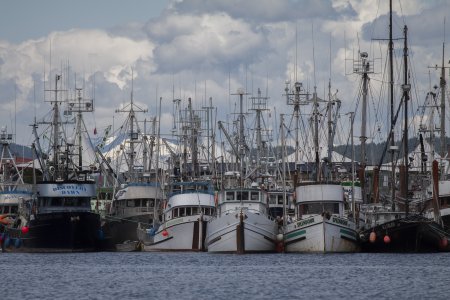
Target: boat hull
[(319, 234), (241, 233), (58, 232), (409, 234), (181, 234)]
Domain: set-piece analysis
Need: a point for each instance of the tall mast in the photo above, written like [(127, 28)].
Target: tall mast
[(241, 135), (316, 133), (259, 103), (296, 98), (133, 136), (406, 87), (330, 128), (443, 84), (363, 138), (391, 99), (55, 124)]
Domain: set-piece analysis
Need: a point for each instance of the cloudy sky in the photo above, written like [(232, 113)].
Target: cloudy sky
[(204, 48)]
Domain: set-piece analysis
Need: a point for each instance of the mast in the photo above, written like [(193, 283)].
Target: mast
[(442, 85), (259, 104), (353, 166), (363, 138), (316, 133), (283, 161), (296, 98), (55, 124), (406, 87), (133, 136), (330, 129), (241, 136), (391, 100)]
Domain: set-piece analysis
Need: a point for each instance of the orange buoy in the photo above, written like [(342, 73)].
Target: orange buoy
[(372, 237), (387, 239), (165, 233)]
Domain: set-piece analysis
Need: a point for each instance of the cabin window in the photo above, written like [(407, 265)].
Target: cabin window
[(230, 196), (56, 202), (175, 213), (280, 199), (194, 211), (318, 208), (130, 203), (188, 211), (242, 196), (71, 202), (254, 196), (151, 202), (273, 199), (182, 212)]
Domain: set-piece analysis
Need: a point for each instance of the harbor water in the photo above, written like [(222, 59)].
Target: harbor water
[(138, 275)]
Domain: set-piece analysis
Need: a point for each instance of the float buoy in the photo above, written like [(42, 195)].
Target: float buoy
[(386, 239), (280, 237), (372, 237), (25, 229), (165, 233)]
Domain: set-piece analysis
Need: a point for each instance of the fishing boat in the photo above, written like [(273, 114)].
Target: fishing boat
[(321, 223), (190, 206), (137, 199), (190, 203), (13, 191), (242, 223), (58, 218), (401, 226)]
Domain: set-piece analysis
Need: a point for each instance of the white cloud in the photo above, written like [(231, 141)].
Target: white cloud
[(225, 44)]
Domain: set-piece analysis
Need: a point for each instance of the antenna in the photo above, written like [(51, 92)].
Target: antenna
[(296, 49), (314, 57)]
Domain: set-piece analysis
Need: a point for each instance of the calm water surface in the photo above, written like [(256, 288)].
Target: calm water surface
[(212, 276)]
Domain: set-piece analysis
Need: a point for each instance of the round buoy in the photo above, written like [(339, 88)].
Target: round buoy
[(25, 229), (387, 239), (165, 233), (444, 243), (372, 237), (279, 237)]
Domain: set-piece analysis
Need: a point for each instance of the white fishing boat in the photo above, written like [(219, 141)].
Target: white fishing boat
[(320, 224), (189, 208), (190, 203), (242, 223)]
